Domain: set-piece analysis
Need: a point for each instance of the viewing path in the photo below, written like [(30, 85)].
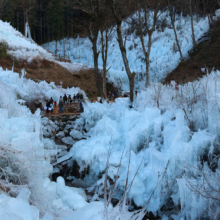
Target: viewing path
[(71, 109)]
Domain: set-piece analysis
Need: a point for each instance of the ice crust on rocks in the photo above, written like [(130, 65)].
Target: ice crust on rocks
[(77, 135)]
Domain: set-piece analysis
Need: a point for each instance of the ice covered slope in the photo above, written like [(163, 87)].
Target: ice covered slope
[(22, 48), (182, 131), (163, 58), (24, 159)]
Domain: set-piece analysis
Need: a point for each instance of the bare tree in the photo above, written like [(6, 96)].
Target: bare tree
[(156, 7), (189, 4), (118, 17), (26, 7), (172, 11), (90, 26), (209, 8), (105, 35)]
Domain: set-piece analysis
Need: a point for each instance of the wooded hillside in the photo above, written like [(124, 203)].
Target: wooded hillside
[(52, 19)]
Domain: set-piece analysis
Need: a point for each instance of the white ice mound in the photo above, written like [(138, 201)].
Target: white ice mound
[(17, 208), (92, 211), (69, 197), (76, 134)]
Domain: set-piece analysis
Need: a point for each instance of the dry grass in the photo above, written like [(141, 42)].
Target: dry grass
[(205, 54), (52, 72)]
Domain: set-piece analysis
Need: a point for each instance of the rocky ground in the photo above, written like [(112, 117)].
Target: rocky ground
[(62, 132)]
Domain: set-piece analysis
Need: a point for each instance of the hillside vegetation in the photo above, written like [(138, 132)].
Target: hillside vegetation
[(205, 55)]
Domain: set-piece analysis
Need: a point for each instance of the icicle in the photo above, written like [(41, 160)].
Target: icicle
[(23, 74), (13, 67), (28, 32)]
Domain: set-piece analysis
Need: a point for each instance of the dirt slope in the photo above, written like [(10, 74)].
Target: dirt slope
[(53, 72), (206, 54)]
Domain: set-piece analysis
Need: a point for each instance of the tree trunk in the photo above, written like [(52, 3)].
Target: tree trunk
[(104, 81), (150, 32), (125, 60), (104, 41), (64, 47), (192, 25), (41, 34), (123, 51), (204, 8), (174, 29), (96, 67), (147, 59), (24, 23), (142, 43), (131, 83), (56, 48), (48, 33), (17, 21)]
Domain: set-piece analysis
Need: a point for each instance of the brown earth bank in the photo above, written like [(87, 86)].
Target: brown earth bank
[(206, 54), (52, 72)]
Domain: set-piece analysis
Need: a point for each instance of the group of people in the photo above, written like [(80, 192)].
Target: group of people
[(49, 105), (68, 100), (113, 95)]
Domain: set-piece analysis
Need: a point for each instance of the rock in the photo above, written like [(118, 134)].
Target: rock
[(66, 132), (68, 140), (76, 134), (69, 126), (44, 121), (60, 134), (53, 126)]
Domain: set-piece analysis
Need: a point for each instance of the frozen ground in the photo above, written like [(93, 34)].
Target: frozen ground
[(165, 125)]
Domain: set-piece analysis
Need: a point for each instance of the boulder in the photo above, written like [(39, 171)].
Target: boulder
[(60, 134), (68, 140), (77, 135)]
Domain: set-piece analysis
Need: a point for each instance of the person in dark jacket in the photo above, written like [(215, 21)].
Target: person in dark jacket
[(48, 106), (81, 107), (114, 94), (65, 98), (60, 107), (51, 100), (69, 99)]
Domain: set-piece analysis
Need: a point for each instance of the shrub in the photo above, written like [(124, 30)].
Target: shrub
[(3, 50), (12, 171)]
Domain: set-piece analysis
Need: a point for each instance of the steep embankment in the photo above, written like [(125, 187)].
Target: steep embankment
[(50, 71), (17, 50), (205, 55)]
